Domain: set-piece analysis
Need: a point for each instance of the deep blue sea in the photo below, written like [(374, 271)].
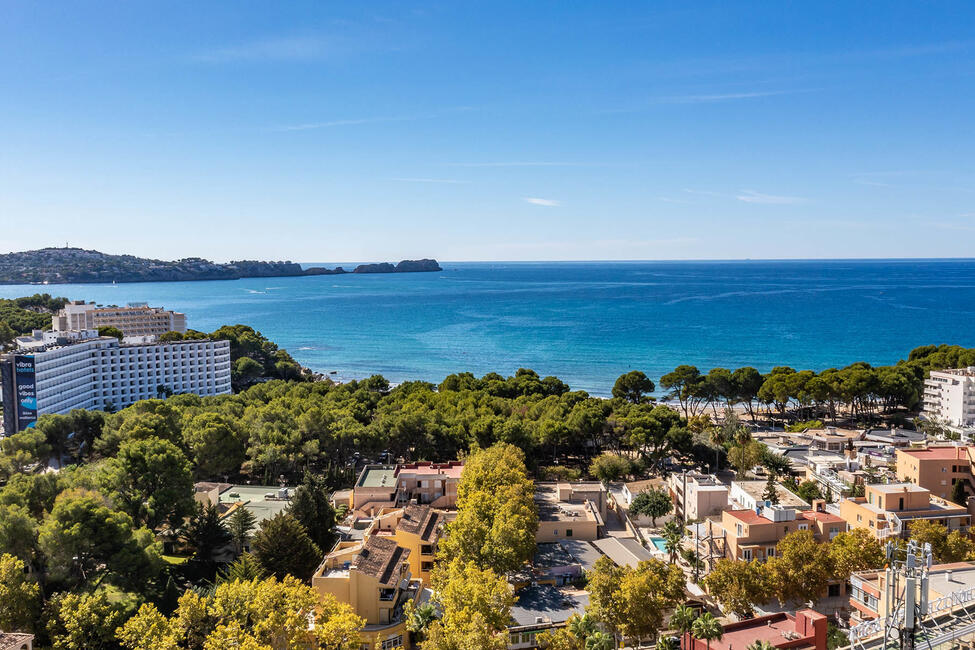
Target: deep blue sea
[(585, 322)]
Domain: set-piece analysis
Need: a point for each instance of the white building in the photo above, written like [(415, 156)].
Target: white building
[(949, 398), (55, 372), (135, 319)]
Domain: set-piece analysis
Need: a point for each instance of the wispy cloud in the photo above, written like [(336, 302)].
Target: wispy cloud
[(751, 196), (287, 48), (310, 126), (705, 98), (524, 163), (548, 203), (451, 181), (327, 124), (726, 97)]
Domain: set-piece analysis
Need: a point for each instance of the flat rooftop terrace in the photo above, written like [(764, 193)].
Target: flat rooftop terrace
[(377, 476), (255, 499)]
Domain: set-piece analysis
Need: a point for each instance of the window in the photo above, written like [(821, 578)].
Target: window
[(568, 532), (746, 554), (803, 526), (770, 552), (833, 591), (426, 566), (555, 532), (739, 528), (393, 642)]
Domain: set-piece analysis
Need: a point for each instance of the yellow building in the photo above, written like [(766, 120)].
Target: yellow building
[(373, 576), (569, 511), (417, 529), (389, 566)]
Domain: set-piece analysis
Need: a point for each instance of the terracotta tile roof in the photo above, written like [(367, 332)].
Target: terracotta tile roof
[(14, 640), (748, 516), (825, 517), (380, 558), (421, 520)]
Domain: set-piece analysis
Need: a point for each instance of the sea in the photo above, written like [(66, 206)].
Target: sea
[(584, 322)]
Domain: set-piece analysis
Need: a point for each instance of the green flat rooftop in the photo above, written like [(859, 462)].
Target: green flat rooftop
[(378, 476)]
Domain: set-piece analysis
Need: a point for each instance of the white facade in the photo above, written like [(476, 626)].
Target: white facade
[(949, 397), (99, 372), (135, 319)]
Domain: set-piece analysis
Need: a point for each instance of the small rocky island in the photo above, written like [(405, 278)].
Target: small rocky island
[(76, 265)]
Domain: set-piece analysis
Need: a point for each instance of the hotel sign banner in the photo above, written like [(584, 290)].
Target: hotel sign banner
[(26, 383)]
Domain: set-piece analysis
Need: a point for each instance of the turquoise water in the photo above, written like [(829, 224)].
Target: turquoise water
[(659, 543), (585, 322)]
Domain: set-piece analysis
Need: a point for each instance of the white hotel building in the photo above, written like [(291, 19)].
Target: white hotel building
[(949, 398), (55, 372)]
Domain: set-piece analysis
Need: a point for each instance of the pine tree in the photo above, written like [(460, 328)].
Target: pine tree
[(771, 493), (240, 524), (282, 547)]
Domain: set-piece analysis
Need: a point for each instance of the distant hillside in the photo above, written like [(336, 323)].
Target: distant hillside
[(73, 265)]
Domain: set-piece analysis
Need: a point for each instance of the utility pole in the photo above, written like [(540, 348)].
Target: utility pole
[(683, 505)]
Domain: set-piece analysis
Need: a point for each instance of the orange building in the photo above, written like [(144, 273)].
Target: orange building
[(754, 534), (887, 510), (937, 469)]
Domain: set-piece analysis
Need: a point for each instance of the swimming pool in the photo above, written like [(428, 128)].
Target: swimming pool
[(659, 543)]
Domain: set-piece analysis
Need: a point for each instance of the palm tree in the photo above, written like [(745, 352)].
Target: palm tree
[(707, 628), (420, 619), (599, 641), (760, 645), (681, 620), (673, 534), (665, 643), (582, 627)]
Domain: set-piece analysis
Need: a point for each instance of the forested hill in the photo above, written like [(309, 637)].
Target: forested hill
[(73, 265)]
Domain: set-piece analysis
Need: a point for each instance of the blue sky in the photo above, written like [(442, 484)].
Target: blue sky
[(489, 130)]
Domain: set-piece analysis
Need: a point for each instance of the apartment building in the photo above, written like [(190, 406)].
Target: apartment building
[(134, 319), (753, 534), (937, 469), (418, 529), (949, 397), (383, 487), (697, 496), (373, 576), (887, 510), (55, 372), (569, 510)]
